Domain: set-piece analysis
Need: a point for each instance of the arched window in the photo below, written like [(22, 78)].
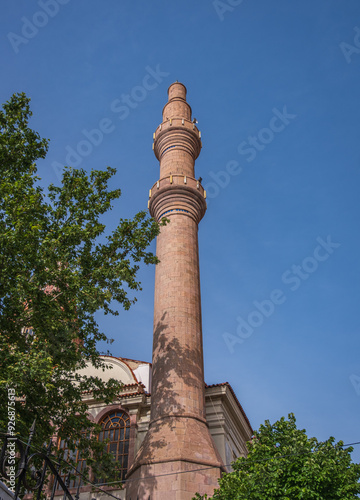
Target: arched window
[(116, 429), (80, 463)]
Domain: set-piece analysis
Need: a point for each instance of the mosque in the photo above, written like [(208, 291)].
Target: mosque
[(171, 434)]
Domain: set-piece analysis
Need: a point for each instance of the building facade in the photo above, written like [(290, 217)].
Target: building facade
[(126, 423)]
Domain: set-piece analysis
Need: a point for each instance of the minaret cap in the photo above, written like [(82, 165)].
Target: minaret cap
[(177, 89), (177, 107)]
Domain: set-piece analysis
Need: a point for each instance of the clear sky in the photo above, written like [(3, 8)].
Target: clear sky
[(275, 88)]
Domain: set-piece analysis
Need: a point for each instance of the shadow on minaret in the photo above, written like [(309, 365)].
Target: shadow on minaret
[(177, 376), (178, 369)]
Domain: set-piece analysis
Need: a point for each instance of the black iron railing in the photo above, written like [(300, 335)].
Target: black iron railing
[(17, 465)]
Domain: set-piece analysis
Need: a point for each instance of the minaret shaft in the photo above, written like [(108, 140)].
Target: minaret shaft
[(177, 352)]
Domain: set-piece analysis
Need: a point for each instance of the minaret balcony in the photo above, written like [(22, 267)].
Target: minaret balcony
[(177, 133), (177, 194)]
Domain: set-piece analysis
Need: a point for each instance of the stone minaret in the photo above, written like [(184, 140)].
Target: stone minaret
[(178, 441)]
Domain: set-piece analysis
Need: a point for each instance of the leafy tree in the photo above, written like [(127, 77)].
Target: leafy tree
[(58, 267), (284, 464)]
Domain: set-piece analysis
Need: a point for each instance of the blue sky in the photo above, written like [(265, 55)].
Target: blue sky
[(275, 88)]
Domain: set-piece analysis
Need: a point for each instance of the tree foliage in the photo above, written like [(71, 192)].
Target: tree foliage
[(58, 267), (284, 464)]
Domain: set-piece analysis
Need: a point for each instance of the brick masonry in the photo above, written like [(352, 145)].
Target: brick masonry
[(178, 442)]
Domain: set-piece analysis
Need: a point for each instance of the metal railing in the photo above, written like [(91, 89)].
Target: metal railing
[(25, 468)]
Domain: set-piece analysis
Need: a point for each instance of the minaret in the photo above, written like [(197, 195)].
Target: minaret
[(178, 441)]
